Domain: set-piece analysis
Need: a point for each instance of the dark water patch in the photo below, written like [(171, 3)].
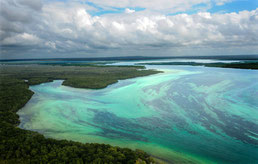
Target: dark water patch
[(113, 126), (237, 127)]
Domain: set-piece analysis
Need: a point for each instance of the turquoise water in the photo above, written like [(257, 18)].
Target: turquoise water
[(186, 114)]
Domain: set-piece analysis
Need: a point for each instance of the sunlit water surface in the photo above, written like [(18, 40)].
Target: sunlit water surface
[(187, 113)]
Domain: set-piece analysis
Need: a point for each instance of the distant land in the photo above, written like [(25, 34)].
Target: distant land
[(253, 64), (121, 58)]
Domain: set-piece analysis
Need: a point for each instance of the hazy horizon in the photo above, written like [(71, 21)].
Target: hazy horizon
[(220, 57)]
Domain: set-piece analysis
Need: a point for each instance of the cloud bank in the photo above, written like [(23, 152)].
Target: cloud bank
[(67, 29)]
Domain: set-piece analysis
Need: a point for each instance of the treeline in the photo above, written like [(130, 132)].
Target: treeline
[(22, 146), (93, 77), (239, 65)]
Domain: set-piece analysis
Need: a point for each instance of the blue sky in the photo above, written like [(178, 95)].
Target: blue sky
[(235, 6), (95, 28), (228, 6)]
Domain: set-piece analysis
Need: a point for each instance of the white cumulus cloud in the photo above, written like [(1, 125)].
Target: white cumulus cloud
[(72, 30)]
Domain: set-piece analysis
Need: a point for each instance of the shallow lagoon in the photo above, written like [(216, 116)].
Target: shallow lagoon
[(196, 114)]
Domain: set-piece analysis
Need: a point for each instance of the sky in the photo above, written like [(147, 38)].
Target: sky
[(103, 28)]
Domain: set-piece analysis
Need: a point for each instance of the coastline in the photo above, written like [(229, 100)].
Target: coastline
[(14, 86)]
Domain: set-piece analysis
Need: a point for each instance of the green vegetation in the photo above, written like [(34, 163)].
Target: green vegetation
[(22, 146), (93, 77), (239, 65)]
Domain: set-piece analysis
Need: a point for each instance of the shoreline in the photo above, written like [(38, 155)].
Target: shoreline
[(15, 86), (174, 155)]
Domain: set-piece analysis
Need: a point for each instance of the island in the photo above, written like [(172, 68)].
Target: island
[(23, 146), (237, 65)]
